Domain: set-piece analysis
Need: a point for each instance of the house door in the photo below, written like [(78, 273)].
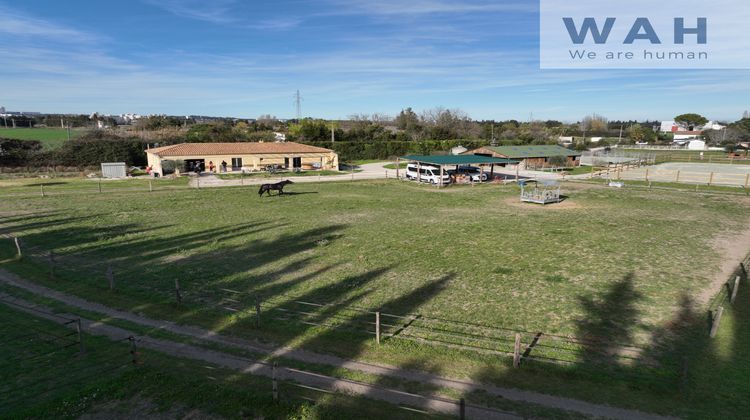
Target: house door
[(297, 162), (286, 163), (236, 164)]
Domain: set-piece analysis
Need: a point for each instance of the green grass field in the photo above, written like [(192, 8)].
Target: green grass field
[(45, 376), (51, 138), (604, 263)]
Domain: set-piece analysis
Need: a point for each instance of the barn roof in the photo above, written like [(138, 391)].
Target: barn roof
[(524, 152), (210, 149)]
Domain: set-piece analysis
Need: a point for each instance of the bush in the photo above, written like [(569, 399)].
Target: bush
[(91, 151), (18, 152)]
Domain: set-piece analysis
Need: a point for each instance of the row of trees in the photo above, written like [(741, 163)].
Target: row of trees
[(86, 151)]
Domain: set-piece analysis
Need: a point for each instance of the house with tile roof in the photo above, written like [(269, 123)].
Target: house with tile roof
[(239, 157), (531, 156)]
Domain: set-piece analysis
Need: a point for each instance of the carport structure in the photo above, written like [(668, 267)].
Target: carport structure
[(454, 160)]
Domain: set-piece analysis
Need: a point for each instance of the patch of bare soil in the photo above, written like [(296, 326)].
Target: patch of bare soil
[(567, 204), (733, 247)]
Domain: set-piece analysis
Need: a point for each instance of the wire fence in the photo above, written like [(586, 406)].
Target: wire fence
[(294, 315), (539, 347), (44, 364), (48, 359), (709, 177)]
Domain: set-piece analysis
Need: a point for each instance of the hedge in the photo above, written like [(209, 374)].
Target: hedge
[(350, 151)]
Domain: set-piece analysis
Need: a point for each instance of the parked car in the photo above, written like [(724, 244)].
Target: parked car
[(426, 173), (474, 173)]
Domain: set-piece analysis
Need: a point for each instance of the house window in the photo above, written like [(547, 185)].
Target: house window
[(236, 164)]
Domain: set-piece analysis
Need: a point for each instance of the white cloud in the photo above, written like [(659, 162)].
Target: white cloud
[(424, 7), (215, 11), (18, 24)]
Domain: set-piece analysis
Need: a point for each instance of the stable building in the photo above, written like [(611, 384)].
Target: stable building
[(530, 157), (247, 157)]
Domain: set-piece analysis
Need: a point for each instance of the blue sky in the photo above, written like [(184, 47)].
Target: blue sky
[(247, 58)]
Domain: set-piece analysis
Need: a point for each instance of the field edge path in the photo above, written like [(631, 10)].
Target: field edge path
[(550, 401)]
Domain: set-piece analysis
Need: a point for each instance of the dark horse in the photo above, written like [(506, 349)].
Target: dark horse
[(279, 186)]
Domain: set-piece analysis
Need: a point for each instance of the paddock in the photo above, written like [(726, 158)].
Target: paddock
[(737, 175)]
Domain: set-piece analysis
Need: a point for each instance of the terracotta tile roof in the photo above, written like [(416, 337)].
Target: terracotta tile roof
[(210, 149)]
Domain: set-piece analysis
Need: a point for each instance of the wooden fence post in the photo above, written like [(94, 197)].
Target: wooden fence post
[(747, 180), (18, 247), (81, 349), (710, 179), (52, 264), (462, 409), (100, 185), (178, 294), (377, 327), (150, 186), (517, 351), (257, 312), (647, 174), (42, 188), (677, 178), (716, 321), (734, 290), (684, 374), (110, 277), (133, 350), (274, 383)]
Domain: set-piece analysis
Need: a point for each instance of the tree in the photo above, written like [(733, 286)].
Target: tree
[(727, 136), (594, 123), (691, 120), (407, 120), (445, 124), (742, 128), (636, 133), (211, 132), (310, 130)]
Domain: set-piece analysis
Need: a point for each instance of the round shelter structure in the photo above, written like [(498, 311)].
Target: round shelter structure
[(546, 191)]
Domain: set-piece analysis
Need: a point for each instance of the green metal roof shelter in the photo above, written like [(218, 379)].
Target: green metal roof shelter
[(454, 160), (459, 160)]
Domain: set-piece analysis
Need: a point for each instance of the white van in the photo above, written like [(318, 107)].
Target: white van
[(426, 173)]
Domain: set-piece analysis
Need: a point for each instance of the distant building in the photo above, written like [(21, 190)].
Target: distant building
[(671, 127), (675, 127), (696, 145), (459, 150), (530, 156), (687, 135), (712, 125), (243, 156)]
